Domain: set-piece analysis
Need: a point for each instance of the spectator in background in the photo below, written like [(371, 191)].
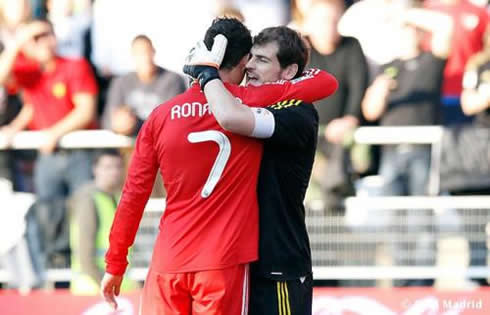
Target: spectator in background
[(339, 114), (112, 33), (92, 209), (70, 25), (59, 97), (372, 22), (133, 96), (407, 93), (259, 14), (470, 24), (299, 9)]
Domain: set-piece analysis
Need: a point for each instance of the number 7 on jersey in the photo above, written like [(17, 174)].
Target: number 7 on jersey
[(219, 164)]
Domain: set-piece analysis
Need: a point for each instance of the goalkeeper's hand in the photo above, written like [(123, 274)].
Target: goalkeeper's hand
[(202, 64)]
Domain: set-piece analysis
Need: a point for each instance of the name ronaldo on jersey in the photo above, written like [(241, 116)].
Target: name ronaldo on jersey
[(194, 109)]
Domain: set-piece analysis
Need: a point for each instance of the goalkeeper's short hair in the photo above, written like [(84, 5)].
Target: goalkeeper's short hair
[(292, 47)]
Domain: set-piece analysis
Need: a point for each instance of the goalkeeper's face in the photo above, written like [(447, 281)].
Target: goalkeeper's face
[(263, 65)]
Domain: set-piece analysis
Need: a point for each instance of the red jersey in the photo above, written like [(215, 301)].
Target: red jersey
[(470, 24), (210, 175), (51, 93)]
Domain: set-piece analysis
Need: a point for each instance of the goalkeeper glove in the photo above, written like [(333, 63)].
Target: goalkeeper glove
[(202, 64)]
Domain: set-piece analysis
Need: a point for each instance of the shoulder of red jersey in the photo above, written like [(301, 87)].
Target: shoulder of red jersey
[(307, 74), (190, 95)]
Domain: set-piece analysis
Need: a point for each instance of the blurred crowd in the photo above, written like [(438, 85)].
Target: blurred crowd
[(69, 65)]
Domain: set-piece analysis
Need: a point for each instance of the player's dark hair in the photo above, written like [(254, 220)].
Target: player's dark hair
[(104, 152), (239, 40), (293, 49)]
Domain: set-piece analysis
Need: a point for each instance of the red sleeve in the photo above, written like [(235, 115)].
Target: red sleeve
[(314, 85), (82, 78), (136, 191)]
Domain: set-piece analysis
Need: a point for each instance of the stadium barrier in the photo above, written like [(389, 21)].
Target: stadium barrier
[(362, 243), (83, 139), (430, 135), (378, 238)]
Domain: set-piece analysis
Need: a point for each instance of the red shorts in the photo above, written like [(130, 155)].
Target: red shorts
[(214, 292)]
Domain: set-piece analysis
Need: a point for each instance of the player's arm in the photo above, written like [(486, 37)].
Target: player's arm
[(230, 114), (236, 117), (137, 189), (312, 86), (277, 123), (295, 125)]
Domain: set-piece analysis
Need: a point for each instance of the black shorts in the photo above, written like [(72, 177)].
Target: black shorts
[(271, 297)]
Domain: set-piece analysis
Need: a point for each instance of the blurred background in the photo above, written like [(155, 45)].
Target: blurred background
[(398, 199)]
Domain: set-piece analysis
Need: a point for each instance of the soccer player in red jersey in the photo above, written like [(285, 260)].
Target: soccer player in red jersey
[(281, 282), (209, 230)]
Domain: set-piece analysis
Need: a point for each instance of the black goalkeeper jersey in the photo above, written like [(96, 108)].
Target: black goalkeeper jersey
[(284, 247)]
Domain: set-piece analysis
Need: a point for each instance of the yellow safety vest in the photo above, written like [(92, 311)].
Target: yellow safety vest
[(83, 284)]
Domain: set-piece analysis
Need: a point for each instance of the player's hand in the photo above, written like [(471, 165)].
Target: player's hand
[(110, 288), (203, 64)]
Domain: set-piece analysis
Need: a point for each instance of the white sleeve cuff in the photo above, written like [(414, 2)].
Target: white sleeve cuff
[(264, 123)]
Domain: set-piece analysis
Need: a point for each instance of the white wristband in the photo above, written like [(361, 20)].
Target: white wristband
[(264, 123)]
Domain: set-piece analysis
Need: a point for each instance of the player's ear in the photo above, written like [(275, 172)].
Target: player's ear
[(290, 71)]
